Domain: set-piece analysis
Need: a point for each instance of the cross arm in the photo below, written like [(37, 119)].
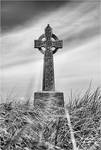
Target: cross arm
[(57, 44), (39, 44)]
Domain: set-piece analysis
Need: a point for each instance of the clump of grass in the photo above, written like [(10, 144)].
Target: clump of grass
[(24, 127), (85, 115), (20, 126)]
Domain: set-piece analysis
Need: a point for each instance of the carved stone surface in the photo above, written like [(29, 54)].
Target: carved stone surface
[(48, 41), (48, 99), (48, 72)]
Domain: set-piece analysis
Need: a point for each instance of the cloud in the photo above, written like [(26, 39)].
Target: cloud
[(15, 13)]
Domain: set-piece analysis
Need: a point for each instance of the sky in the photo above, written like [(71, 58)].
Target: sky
[(76, 65)]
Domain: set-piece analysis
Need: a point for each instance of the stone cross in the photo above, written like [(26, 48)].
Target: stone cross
[(48, 44)]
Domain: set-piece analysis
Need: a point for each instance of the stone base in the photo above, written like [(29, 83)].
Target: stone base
[(48, 99)]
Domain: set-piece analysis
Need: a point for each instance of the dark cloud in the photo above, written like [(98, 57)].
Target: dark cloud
[(14, 13)]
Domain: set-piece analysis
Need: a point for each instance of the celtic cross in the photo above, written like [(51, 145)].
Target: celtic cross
[(48, 44)]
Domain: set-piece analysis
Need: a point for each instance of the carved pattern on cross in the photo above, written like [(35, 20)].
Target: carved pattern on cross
[(48, 41)]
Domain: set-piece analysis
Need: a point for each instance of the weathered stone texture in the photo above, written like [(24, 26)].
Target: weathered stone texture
[(48, 72), (48, 68), (48, 99)]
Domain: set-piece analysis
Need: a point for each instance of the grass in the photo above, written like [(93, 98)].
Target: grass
[(85, 114), (24, 127)]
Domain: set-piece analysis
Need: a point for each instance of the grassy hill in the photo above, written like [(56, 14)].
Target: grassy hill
[(24, 127)]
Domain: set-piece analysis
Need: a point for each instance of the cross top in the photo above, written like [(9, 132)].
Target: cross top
[(48, 41)]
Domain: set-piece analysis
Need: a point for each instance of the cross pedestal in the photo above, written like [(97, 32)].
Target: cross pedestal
[(46, 99), (48, 44)]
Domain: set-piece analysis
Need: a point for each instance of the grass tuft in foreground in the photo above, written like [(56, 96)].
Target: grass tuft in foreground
[(85, 114)]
